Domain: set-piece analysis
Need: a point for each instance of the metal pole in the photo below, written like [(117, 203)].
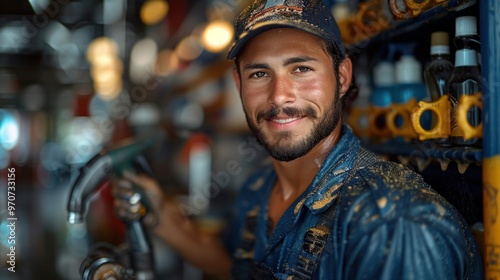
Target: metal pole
[(490, 53)]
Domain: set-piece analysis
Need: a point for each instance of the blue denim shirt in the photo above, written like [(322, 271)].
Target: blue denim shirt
[(387, 224)]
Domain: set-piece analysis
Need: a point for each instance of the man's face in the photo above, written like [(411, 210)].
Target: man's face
[(289, 91)]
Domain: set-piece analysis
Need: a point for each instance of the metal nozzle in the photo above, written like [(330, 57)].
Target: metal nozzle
[(75, 218), (91, 177)]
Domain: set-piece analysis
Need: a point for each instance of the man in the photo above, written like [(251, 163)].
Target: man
[(324, 208)]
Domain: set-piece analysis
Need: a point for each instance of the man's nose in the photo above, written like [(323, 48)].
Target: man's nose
[(282, 91)]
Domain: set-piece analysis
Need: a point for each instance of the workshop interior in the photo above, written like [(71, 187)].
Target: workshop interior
[(92, 88)]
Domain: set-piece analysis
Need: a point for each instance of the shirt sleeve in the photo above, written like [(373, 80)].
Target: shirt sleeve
[(408, 234)]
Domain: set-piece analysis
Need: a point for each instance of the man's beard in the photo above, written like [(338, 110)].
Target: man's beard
[(283, 149)]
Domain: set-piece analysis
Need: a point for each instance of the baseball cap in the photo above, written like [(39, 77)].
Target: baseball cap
[(308, 15)]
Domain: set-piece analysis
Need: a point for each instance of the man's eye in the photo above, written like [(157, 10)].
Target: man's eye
[(302, 69), (258, 75)]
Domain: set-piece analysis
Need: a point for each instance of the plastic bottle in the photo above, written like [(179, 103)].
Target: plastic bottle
[(409, 80), (466, 36), (381, 97), (464, 80), (438, 72), (383, 82), (409, 85)]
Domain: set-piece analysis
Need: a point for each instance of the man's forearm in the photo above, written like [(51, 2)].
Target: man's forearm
[(202, 250)]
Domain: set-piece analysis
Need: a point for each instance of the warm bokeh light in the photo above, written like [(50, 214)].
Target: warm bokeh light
[(143, 52), (110, 88), (102, 46), (106, 68), (165, 63), (189, 48), (217, 36), (153, 11), (142, 58)]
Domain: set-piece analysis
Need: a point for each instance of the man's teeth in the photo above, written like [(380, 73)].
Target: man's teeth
[(282, 121)]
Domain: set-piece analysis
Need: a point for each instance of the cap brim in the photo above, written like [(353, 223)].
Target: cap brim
[(265, 26)]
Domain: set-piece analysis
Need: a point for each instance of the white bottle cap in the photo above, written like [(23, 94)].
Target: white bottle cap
[(465, 57), (408, 70), (383, 74), (465, 25)]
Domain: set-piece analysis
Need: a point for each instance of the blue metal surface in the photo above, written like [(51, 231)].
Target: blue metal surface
[(490, 50)]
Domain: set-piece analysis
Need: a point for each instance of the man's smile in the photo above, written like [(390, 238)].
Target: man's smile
[(284, 121)]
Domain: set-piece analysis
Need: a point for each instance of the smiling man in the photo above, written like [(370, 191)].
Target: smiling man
[(323, 207)]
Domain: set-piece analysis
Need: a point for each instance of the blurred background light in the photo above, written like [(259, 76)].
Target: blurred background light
[(83, 140), (10, 39), (165, 63), (39, 5), (102, 46), (217, 36), (56, 35), (110, 89), (144, 114), (113, 11), (189, 48), (141, 59), (153, 11), (9, 130), (106, 67)]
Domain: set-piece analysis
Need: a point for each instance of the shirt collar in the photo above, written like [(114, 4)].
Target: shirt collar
[(327, 183)]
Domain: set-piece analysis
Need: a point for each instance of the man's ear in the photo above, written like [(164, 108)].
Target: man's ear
[(236, 78), (345, 75)]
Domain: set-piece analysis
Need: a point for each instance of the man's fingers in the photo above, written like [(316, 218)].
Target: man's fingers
[(129, 207), (142, 180), (123, 193), (120, 186)]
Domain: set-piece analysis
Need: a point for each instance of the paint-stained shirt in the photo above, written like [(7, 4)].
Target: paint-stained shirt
[(383, 222)]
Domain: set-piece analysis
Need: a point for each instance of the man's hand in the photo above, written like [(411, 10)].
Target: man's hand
[(137, 196), (169, 223)]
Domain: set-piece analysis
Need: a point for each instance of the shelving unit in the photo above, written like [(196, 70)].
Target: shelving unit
[(486, 160), (427, 150), (398, 28)]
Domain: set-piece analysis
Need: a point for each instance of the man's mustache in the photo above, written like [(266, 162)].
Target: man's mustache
[(291, 112)]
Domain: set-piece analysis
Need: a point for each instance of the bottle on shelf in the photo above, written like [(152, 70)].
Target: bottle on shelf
[(409, 82), (409, 89), (466, 36), (438, 72), (383, 84), (464, 80), (381, 98)]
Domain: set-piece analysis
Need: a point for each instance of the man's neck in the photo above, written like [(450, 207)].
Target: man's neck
[(294, 177)]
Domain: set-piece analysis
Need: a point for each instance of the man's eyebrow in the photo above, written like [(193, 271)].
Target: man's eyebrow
[(298, 59), (255, 66), (287, 62)]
